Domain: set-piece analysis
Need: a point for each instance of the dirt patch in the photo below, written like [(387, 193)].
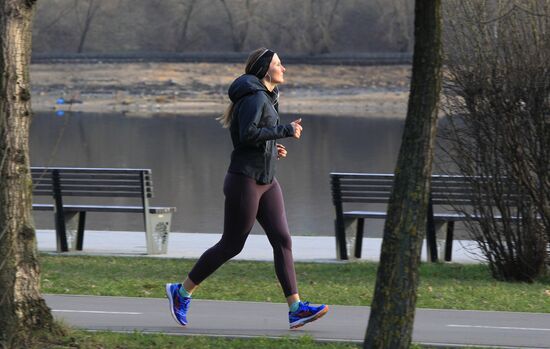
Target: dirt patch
[(202, 87)]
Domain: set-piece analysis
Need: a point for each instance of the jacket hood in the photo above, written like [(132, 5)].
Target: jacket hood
[(244, 85)]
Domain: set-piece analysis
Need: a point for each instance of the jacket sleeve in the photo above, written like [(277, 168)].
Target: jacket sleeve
[(250, 114)]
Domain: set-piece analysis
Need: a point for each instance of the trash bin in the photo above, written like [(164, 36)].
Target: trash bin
[(71, 231), (352, 245), (157, 232)]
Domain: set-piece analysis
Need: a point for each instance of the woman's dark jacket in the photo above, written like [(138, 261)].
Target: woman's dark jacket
[(254, 129)]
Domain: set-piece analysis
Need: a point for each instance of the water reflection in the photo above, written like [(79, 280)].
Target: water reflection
[(189, 156)]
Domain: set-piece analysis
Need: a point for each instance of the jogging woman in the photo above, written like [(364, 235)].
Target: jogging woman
[(250, 188)]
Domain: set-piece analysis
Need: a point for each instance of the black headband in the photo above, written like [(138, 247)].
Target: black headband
[(261, 65)]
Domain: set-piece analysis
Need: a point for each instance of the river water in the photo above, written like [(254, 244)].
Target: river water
[(189, 156)]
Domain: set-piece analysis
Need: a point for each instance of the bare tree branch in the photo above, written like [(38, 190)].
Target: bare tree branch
[(498, 105)]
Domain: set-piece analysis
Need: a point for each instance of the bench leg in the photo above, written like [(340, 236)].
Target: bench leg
[(359, 237), (340, 235), (60, 232), (80, 231), (431, 243), (449, 241)]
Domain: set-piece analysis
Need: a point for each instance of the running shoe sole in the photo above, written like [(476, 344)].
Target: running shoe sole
[(171, 300), (302, 322)]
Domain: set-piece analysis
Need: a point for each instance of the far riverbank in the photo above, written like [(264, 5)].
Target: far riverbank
[(176, 88)]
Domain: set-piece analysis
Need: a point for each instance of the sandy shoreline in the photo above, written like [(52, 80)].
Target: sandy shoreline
[(200, 88)]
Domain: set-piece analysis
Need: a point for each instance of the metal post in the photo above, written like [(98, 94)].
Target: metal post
[(58, 212), (449, 241), (359, 237), (339, 228), (431, 243), (80, 232)]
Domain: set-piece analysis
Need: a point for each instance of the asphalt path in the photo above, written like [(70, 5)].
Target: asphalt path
[(342, 323)]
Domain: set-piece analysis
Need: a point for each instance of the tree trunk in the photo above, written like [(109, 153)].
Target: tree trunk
[(232, 27), (393, 306), (22, 308), (182, 41), (90, 14)]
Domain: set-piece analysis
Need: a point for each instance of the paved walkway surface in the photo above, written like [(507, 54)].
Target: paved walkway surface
[(343, 323), (192, 245), (250, 319)]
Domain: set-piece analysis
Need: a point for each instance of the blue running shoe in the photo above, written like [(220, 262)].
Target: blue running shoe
[(178, 304), (305, 314)]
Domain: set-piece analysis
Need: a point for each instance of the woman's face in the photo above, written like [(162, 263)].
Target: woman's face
[(276, 71)]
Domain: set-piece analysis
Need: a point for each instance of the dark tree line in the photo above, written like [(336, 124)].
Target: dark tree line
[(308, 26)]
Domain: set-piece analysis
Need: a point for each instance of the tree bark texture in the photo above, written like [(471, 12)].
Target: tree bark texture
[(22, 309), (393, 306)]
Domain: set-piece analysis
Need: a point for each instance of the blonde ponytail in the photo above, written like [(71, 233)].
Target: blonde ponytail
[(227, 116)]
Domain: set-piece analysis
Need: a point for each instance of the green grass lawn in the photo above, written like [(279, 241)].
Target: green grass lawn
[(110, 340), (442, 286)]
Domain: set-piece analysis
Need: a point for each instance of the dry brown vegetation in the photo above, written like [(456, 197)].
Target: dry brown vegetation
[(202, 87)]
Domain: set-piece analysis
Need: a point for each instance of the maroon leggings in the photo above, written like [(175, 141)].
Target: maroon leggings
[(246, 201)]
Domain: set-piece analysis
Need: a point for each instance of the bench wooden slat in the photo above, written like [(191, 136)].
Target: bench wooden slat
[(368, 200), (94, 193), (454, 201), (456, 177), (361, 175), (438, 190), (90, 170), (380, 188), (344, 184), (99, 208), (119, 194), (92, 174), (353, 193), (389, 183), (385, 200), (101, 188), (43, 181), (42, 192), (451, 196), (438, 198), (84, 178), (382, 214), (99, 176), (42, 185), (42, 207), (448, 216), (348, 177), (365, 214), (90, 182)]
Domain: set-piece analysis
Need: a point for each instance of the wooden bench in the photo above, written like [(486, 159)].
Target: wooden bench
[(103, 185), (368, 188)]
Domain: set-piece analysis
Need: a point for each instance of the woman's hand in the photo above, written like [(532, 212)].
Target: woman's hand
[(281, 151), (297, 124)]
